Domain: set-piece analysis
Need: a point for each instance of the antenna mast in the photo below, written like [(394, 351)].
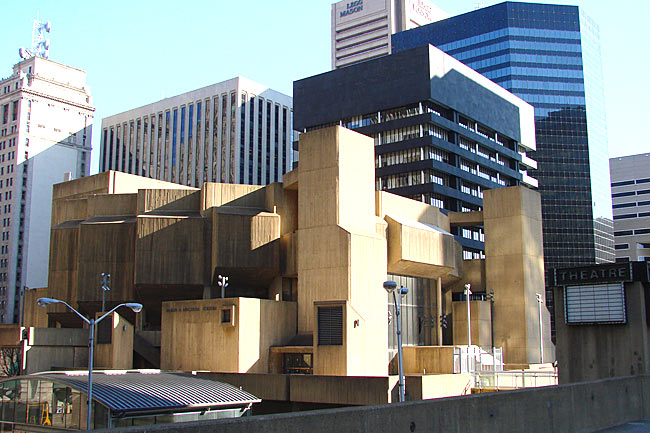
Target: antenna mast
[(40, 44)]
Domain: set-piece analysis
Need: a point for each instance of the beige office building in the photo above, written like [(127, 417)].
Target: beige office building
[(362, 29), (236, 131), (631, 205), (45, 135)]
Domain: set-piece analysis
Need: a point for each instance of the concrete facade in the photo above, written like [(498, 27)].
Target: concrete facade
[(306, 261), (45, 135), (631, 206), (237, 131), (610, 335)]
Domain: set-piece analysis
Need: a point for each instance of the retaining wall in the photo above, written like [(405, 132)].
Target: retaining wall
[(579, 407)]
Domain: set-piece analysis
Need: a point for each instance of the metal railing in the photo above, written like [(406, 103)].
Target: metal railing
[(474, 359), (515, 379)]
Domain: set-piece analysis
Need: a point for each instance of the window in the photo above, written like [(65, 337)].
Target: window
[(623, 205), (330, 326), (600, 303), (623, 194), (621, 246), (228, 315), (625, 216)]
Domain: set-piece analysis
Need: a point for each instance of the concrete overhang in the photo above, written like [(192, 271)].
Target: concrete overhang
[(465, 219), (290, 180), (421, 250)]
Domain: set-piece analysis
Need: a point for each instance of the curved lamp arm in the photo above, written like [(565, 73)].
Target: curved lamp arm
[(132, 305), (44, 302)]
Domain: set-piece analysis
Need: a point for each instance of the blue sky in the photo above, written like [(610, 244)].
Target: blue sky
[(139, 51)]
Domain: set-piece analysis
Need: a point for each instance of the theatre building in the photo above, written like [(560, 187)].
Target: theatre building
[(602, 320), (306, 259)]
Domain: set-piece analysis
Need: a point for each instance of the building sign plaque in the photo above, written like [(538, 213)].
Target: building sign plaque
[(352, 7), (593, 274)]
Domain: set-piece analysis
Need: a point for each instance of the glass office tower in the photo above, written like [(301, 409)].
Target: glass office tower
[(548, 55)]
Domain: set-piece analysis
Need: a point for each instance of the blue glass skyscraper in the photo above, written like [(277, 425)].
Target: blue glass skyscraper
[(548, 55)]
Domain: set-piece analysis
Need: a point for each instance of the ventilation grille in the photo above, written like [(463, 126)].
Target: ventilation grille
[(330, 326)]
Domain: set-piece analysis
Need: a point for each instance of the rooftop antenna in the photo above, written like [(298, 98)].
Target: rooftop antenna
[(478, 5), (40, 44)]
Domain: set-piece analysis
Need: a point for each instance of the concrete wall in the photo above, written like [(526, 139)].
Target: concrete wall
[(341, 257), (588, 352), (481, 319), (514, 265), (119, 353), (583, 407), (194, 337), (46, 349), (428, 359)]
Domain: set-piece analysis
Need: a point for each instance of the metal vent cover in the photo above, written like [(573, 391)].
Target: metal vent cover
[(330, 326)]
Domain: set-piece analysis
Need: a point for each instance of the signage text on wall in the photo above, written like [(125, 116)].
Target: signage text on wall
[(593, 274), (352, 7)]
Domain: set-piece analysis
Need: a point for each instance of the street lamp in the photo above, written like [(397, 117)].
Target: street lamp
[(22, 309), (468, 292), (105, 284), (540, 301), (390, 287), (44, 302)]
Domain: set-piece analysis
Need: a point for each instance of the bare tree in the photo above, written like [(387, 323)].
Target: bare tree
[(10, 361)]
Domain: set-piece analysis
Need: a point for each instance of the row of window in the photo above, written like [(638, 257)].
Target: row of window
[(631, 193), (632, 204), (14, 112), (432, 199), (631, 232), (422, 108), (412, 178), (627, 259), (208, 142), (632, 215), (631, 182), (639, 245), (511, 31)]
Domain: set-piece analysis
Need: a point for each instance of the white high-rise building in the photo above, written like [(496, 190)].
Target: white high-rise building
[(237, 131), (45, 136), (362, 29)]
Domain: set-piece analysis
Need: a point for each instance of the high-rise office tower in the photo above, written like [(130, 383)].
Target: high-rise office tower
[(361, 29), (443, 133), (549, 56), (631, 202), (237, 131), (45, 136)]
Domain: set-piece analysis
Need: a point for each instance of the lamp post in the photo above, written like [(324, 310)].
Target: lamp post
[(22, 308), (105, 284), (44, 302), (540, 301), (468, 292), (390, 287)]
